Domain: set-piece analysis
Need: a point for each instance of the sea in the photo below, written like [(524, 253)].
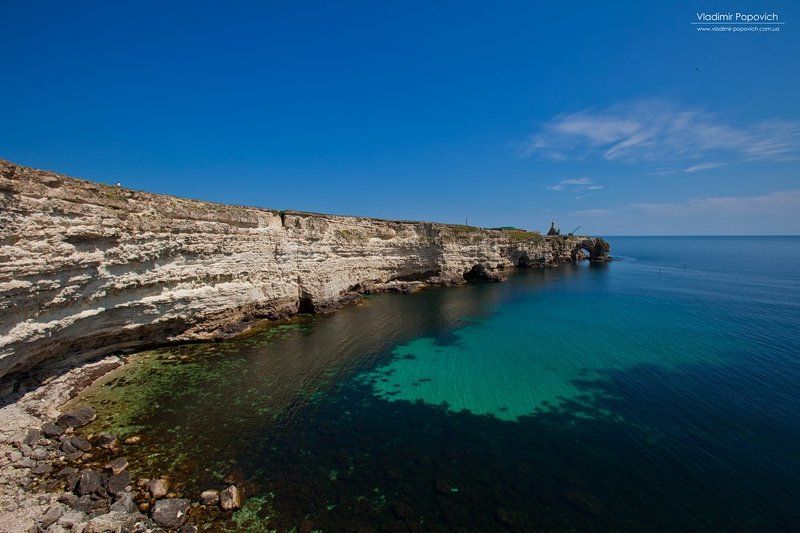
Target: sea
[(660, 391)]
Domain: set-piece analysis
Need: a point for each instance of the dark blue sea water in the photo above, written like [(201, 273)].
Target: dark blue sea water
[(658, 392)]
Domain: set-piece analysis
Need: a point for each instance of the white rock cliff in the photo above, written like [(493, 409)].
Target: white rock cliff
[(88, 269)]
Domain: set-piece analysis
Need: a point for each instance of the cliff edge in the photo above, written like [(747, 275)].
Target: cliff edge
[(88, 269)]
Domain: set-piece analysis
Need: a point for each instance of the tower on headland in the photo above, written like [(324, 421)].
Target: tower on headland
[(553, 229)]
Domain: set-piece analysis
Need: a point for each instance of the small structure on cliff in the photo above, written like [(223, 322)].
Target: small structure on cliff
[(553, 229)]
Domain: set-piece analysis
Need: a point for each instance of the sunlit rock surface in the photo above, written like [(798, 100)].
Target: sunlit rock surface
[(88, 269)]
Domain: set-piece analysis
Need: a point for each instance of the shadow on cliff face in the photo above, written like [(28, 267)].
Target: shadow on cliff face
[(698, 447)]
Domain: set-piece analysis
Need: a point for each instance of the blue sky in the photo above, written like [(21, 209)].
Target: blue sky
[(623, 119)]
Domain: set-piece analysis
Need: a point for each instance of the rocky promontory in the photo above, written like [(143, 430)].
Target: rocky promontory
[(88, 269)]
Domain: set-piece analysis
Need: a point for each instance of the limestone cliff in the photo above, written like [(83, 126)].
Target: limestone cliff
[(88, 269)]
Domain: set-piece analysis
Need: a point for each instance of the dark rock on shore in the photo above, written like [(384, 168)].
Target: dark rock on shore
[(89, 482), (124, 504), (76, 418), (79, 443), (52, 430), (119, 483)]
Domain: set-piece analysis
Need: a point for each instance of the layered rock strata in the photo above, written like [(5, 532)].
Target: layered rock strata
[(88, 269)]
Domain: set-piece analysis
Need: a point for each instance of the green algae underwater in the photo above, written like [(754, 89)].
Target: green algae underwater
[(656, 392)]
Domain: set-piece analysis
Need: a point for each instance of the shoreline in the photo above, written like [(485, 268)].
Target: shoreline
[(97, 273), (44, 395)]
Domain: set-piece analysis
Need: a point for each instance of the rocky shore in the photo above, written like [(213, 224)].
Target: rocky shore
[(54, 479)]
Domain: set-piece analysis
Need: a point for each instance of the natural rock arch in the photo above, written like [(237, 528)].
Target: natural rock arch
[(596, 247)]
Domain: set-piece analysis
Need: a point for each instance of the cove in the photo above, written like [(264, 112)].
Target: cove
[(655, 392)]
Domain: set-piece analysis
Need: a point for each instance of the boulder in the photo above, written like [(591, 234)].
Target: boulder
[(89, 482), (67, 447), (170, 513), (25, 462), (209, 497), (76, 418), (230, 498), (80, 443), (119, 483), (32, 437), (113, 521), (118, 465), (50, 516), (125, 505), (39, 454), (41, 469), (88, 505), (109, 442), (68, 498), (50, 429), (158, 487)]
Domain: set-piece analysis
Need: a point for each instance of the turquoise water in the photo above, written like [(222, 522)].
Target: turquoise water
[(660, 391), (668, 302)]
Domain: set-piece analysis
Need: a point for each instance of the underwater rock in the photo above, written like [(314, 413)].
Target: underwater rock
[(135, 439), (109, 442), (170, 512), (158, 487), (77, 418), (117, 466), (230, 498), (209, 497)]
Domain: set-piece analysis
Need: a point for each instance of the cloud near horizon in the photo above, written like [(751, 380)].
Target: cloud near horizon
[(656, 130), (770, 203), (770, 213)]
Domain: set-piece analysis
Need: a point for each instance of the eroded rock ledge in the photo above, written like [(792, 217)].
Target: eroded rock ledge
[(88, 269)]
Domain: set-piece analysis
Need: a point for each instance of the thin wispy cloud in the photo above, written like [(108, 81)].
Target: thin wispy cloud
[(592, 213), (703, 166), (658, 130), (775, 202), (575, 185), (773, 212)]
